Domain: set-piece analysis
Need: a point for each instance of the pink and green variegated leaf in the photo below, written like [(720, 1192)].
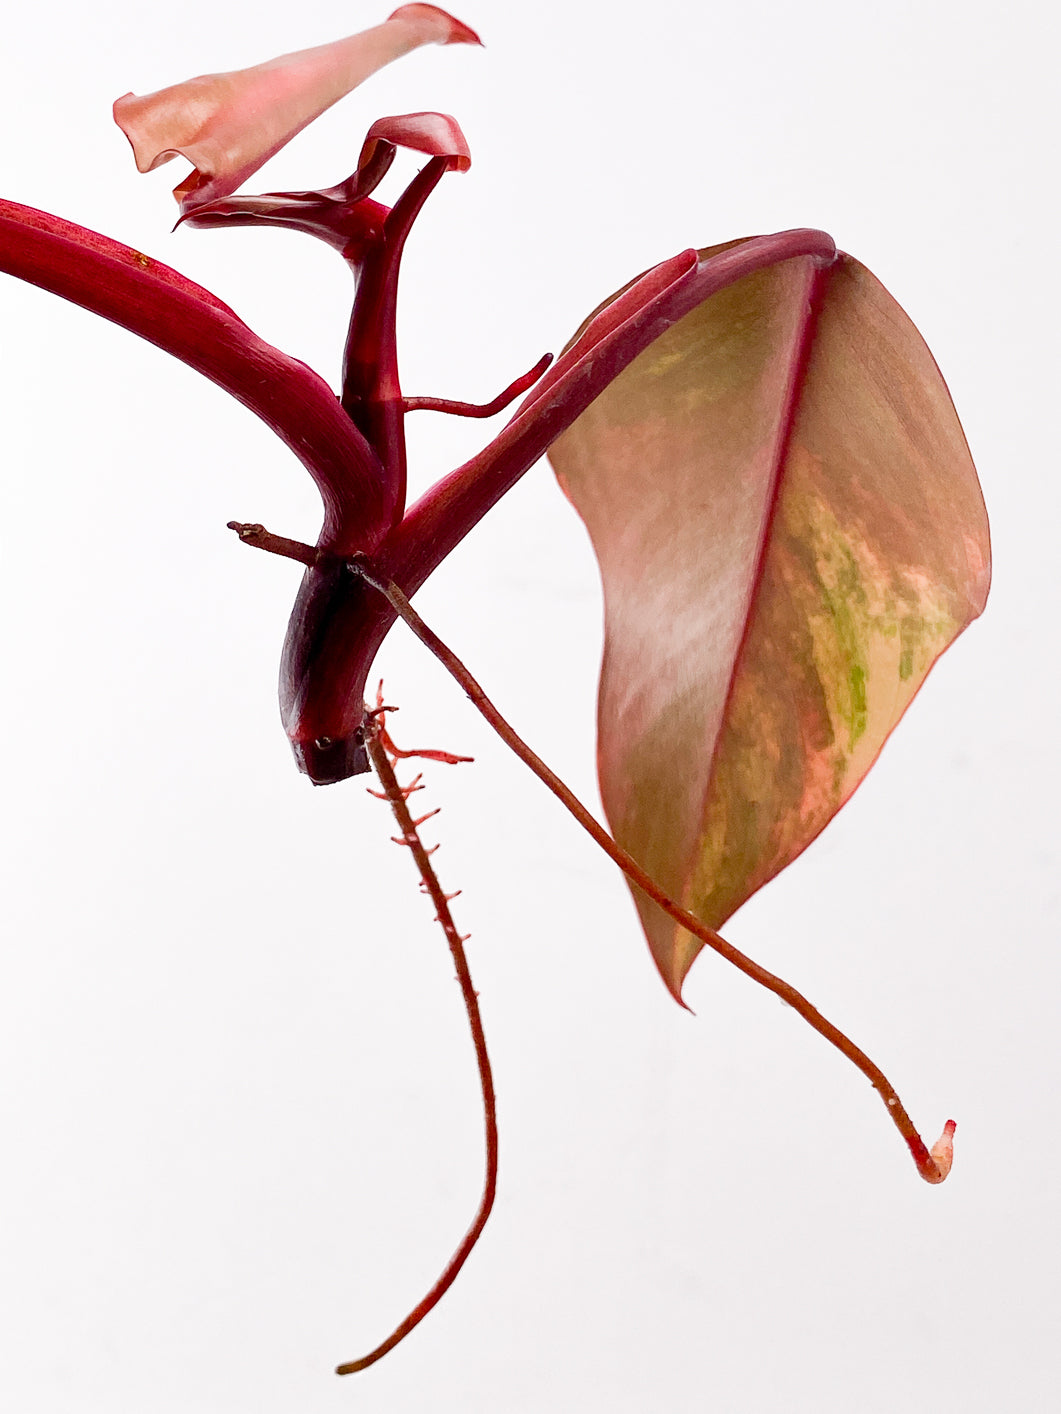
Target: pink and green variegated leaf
[(790, 532)]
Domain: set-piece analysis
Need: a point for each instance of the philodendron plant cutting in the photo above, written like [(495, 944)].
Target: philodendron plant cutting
[(787, 520)]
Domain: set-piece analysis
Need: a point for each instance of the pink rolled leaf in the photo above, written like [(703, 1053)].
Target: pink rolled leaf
[(790, 531), (228, 125)]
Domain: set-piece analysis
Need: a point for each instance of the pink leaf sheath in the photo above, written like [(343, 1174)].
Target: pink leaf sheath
[(228, 125), (790, 531)]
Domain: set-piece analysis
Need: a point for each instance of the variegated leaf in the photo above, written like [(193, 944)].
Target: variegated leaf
[(790, 531)]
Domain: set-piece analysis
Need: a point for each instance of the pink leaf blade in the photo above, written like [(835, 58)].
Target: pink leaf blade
[(171, 311), (790, 531)]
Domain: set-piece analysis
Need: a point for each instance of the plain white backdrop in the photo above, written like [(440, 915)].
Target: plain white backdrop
[(238, 1105)]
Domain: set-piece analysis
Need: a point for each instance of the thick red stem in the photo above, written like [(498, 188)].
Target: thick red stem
[(372, 395), (169, 310)]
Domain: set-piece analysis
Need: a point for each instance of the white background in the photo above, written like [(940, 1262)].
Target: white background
[(238, 1106)]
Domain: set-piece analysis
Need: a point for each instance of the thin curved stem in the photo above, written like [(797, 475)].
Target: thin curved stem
[(459, 409), (933, 1165), (399, 804)]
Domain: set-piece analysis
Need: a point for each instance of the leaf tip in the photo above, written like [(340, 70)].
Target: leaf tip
[(446, 27), (674, 981)]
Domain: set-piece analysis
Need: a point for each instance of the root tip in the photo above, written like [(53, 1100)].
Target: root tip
[(942, 1153)]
